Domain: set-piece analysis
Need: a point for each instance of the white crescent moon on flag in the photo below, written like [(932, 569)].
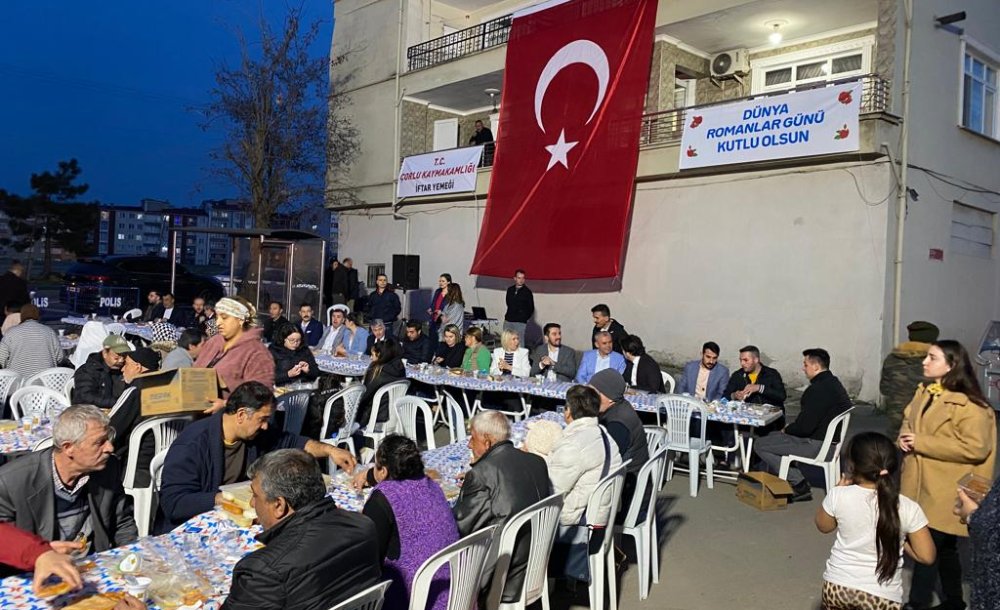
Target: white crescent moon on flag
[(576, 52)]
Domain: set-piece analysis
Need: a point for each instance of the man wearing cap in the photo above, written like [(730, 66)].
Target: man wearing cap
[(99, 380), (903, 370), (127, 416), (30, 347), (334, 334), (623, 424)]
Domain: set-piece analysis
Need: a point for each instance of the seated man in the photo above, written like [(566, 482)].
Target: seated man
[(127, 416), (603, 322), (154, 311), (315, 555), (600, 358), (171, 313), (187, 350), (502, 481), (377, 335), (417, 347), (99, 381), (217, 450), (72, 492), (275, 320), (623, 424), (312, 330), (823, 400), (30, 347), (706, 378), (757, 384), (335, 334), (553, 359), (641, 371), (12, 316)]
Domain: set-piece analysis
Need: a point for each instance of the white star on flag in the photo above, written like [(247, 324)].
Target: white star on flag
[(559, 150)]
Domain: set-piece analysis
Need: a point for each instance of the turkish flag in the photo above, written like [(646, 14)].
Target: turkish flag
[(574, 89)]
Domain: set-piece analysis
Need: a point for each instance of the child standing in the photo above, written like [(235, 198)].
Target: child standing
[(874, 526)]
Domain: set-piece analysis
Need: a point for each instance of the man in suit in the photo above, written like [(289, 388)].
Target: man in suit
[(641, 371), (72, 491), (312, 330), (603, 322), (705, 378), (154, 311), (377, 335), (757, 384), (553, 359), (171, 313), (600, 358)]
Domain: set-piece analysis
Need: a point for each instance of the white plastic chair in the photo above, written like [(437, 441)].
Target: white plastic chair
[(351, 395), (295, 405), (371, 598), (607, 494), (54, 378), (668, 382), (132, 314), (644, 531), (91, 340), (68, 389), (679, 410), (656, 437), (456, 417), (164, 431), (122, 398), (156, 471), (30, 401), (835, 433), (466, 560), (43, 444), (375, 430), (406, 409), (115, 328), (543, 517), (9, 383)]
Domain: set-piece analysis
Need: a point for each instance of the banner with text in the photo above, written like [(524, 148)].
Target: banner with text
[(814, 122), (439, 173)]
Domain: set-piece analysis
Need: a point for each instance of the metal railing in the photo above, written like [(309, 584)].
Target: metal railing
[(667, 126), (458, 44)]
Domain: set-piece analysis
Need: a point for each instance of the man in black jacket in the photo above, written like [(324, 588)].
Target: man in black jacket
[(823, 400), (624, 426), (604, 322), (352, 282), (315, 555), (275, 320), (520, 306), (128, 415), (417, 347), (755, 383), (503, 481), (13, 286), (99, 380)]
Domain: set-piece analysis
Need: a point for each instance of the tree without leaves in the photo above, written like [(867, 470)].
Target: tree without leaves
[(51, 214), (274, 110)]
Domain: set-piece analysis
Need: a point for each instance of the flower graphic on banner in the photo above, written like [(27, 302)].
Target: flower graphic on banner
[(842, 133), (844, 97), (695, 121), (691, 151)]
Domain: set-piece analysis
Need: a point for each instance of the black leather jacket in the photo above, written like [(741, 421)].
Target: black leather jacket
[(95, 383), (313, 560)]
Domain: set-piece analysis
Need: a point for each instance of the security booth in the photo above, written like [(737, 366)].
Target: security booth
[(989, 359), (265, 265)]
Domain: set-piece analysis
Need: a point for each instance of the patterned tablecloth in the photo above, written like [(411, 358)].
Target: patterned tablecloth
[(19, 440), (140, 330)]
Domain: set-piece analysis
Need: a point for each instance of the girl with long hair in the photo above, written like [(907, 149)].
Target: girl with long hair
[(874, 525), (454, 309), (948, 431), (386, 366)]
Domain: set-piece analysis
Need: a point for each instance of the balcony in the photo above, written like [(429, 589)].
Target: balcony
[(667, 126), (458, 44)]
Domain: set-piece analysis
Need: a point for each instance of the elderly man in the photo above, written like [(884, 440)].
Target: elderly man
[(377, 335), (757, 384), (154, 311), (72, 492), (602, 357), (99, 381), (187, 350), (335, 332), (216, 451), (705, 378), (623, 424), (553, 359), (383, 304), (127, 416), (312, 330), (823, 400), (315, 555), (603, 322), (417, 347), (502, 481), (30, 347)]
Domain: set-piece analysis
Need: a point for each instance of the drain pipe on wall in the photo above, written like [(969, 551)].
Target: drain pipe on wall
[(904, 155)]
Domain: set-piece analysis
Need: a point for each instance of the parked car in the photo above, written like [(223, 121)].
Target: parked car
[(118, 283)]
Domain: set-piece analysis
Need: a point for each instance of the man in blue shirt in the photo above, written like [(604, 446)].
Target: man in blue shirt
[(600, 358)]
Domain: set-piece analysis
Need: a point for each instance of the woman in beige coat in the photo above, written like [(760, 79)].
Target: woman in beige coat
[(948, 432)]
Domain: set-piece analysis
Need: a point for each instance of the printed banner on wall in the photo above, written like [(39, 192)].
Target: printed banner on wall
[(814, 122), (439, 173)]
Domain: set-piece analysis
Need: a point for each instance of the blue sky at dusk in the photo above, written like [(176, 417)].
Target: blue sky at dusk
[(116, 84)]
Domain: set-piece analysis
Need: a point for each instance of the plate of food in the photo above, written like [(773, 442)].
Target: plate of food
[(96, 601)]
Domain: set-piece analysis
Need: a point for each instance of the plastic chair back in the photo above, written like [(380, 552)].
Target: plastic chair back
[(68, 389), (656, 437), (543, 517), (395, 391), (668, 382), (122, 399), (294, 404), (54, 378), (467, 560), (351, 395), (679, 410), (369, 599), (456, 417), (132, 314), (9, 383), (115, 328), (156, 469), (164, 431), (835, 433), (36, 400), (605, 500), (91, 340), (648, 478), (406, 409)]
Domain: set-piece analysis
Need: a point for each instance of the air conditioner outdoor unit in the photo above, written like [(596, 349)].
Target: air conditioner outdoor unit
[(731, 63)]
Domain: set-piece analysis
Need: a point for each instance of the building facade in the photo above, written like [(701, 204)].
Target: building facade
[(786, 255)]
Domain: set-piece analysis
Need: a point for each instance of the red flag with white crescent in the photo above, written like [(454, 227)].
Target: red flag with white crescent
[(574, 89)]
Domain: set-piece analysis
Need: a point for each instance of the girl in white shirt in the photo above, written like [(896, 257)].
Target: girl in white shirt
[(874, 526)]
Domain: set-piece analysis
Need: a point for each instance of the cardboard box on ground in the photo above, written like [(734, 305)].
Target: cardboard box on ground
[(763, 491), (178, 391)]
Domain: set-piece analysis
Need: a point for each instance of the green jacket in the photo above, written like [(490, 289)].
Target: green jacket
[(482, 362), (902, 372)]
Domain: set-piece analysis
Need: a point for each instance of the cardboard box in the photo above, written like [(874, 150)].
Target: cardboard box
[(763, 491), (178, 391)]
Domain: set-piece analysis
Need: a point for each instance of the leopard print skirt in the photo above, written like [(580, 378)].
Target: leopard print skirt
[(837, 597)]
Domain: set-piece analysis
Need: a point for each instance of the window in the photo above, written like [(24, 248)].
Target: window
[(971, 231), (817, 65), (979, 93), (374, 270)]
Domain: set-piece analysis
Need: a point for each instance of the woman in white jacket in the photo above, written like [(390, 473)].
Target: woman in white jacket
[(511, 359)]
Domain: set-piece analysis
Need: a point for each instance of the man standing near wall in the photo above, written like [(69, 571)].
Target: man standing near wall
[(352, 282), (903, 370), (520, 306), (603, 322)]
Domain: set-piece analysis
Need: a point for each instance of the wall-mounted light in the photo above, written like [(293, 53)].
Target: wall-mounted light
[(775, 25), (493, 93)]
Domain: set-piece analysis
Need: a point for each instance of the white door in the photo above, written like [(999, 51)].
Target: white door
[(445, 134)]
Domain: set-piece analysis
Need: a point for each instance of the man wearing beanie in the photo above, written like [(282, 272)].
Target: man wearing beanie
[(623, 424), (128, 415), (903, 370)]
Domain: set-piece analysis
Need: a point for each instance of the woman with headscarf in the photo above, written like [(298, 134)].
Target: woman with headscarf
[(237, 353)]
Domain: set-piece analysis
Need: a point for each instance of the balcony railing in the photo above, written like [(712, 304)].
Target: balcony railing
[(458, 44), (667, 126)]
